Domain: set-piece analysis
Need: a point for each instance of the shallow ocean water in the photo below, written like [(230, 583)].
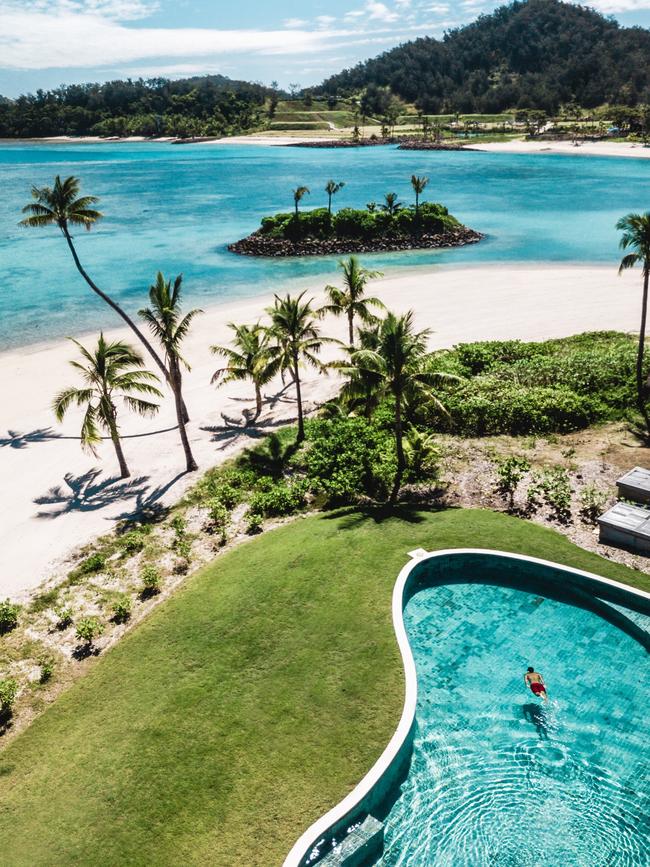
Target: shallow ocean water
[(499, 778), (175, 208)]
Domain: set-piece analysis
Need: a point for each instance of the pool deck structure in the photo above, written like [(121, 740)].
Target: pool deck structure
[(348, 820)]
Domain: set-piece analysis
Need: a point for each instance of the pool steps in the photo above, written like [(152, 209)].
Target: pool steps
[(363, 845)]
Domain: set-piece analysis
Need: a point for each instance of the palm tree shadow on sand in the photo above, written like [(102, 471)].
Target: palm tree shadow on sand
[(18, 440), (85, 493)]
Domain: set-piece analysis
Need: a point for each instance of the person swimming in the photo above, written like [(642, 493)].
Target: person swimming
[(535, 681)]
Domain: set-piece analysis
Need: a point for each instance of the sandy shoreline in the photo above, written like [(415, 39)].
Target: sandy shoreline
[(514, 146), (56, 497), (589, 148)]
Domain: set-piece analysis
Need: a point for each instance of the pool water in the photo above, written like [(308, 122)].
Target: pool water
[(498, 777)]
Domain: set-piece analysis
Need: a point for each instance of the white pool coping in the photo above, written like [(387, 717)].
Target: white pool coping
[(319, 829)]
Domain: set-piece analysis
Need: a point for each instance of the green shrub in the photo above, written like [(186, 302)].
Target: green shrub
[(9, 612), (219, 518), (178, 525), (510, 472), (592, 502), (279, 499), (556, 488), (47, 665), (482, 356), (64, 616), (254, 523), (349, 457), (133, 541), (486, 406), (88, 629), (122, 609), (184, 549), (94, 563), (151, 580), (8, 693)]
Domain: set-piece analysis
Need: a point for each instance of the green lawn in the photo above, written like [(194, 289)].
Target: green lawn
[(245, 706)]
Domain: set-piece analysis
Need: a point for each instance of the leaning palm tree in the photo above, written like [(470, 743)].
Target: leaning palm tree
[(636, 237), (111, 371), (297, 340), (351, 301), (62, 206), (418, 184), (361, 391), (391, 205), (298, 194), (400, 362), (170, 327), (332, 188), (249, 357)]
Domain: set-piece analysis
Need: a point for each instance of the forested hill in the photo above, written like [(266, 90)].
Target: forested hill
[(207, 105), (535, 54)]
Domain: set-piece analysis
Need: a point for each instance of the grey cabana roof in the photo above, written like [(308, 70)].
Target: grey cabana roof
[(635, 485), (628, 525)]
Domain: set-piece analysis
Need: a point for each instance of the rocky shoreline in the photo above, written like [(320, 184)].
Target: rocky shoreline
[(258, 244), (402, 144)]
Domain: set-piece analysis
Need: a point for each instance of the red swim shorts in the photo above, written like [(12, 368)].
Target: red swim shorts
[(537, 688)]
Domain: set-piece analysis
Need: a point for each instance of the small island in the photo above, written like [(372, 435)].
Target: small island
[(377, 228)]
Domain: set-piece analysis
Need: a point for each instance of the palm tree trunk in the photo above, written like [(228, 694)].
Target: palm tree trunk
[(351, 328), (640, 386), (190, 463), (301, 421), (399, 446), (115, 437), (258, 401), (116, 307), (329, 204)]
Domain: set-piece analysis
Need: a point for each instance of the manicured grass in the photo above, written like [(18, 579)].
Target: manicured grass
[(245, 706)]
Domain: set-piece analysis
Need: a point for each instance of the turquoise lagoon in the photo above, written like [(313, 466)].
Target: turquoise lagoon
[(175, 208), (499, 778)]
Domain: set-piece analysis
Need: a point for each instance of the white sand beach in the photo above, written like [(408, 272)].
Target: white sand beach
[(56, 497), (588, 148)]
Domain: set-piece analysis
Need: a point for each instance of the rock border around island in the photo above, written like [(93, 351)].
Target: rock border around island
[(258, 244)]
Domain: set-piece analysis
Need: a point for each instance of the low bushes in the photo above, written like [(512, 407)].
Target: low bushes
[(362, 224), (9, 612), (555, 386)]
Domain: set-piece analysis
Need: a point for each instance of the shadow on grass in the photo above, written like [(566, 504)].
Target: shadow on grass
[(354, 516)]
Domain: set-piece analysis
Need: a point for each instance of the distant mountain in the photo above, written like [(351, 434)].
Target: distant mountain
[(534, 54), (205, 105)]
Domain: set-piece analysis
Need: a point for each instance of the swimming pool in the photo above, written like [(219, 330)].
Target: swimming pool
[(499, 778), (479, 772)]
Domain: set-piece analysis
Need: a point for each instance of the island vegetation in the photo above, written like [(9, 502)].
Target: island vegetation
[(379, 227)]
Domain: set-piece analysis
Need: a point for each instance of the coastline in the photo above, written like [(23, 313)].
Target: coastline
[(266, 139), (567, 148), (62, 498)]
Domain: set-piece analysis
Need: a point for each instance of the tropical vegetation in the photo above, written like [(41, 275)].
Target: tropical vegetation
[(110, 371), (536, 54)]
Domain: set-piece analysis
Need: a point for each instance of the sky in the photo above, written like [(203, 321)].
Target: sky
[(45, 43)]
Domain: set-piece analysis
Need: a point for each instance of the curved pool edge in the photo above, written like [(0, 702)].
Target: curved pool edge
[(351, 806)]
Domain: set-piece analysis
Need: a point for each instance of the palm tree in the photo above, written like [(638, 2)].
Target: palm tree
[(418, 184), (111, 370), (249, 357), (298, 194), (400, 362), (392, 206), (61, 205), (362, 387), (350, 300), (636, 237), (166, 322), (332, 188), (297, 342)]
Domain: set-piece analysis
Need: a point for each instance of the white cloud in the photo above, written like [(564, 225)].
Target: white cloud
[(325, 20), (610, 6), (380, 12), (47, 35), (295, 22)]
